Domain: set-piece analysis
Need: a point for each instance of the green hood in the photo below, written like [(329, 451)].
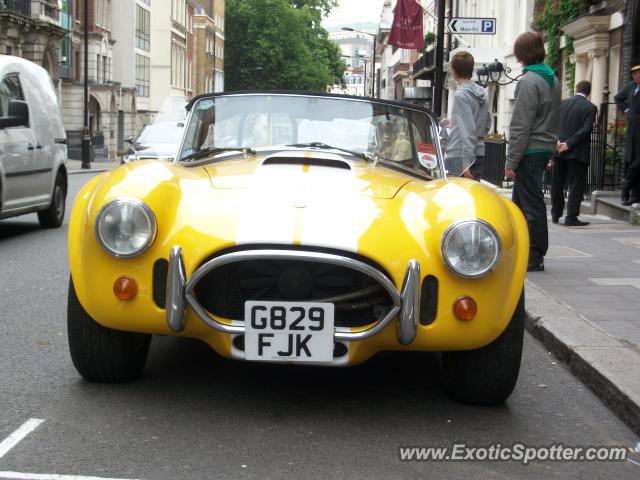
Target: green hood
[(545, 71)]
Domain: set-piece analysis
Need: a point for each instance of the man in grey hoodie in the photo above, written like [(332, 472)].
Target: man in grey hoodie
[(470, 121), (533, 134)]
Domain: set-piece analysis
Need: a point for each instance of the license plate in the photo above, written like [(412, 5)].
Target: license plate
[(288, 331)]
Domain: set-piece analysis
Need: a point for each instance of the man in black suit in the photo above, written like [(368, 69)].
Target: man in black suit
[(628, 100), (571, 163)]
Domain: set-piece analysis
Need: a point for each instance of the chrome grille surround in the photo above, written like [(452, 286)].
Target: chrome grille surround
[(180, 292)]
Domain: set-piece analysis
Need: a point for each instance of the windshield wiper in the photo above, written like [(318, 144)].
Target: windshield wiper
[(324, 146), (208, 151)]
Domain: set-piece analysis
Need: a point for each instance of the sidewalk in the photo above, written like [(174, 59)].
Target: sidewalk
[(75, 166), (585, 308)]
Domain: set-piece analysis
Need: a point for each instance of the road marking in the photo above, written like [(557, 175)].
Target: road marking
[(561, 251), (50, 476), (629, 241), (17, 436), (617, 282)]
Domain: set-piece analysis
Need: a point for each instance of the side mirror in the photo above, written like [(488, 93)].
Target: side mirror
[(18, 115), (129, 140)]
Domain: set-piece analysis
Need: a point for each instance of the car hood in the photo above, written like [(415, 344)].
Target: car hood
[(309, 176)]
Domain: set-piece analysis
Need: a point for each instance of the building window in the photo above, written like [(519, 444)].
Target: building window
[(143, 28), (142, 75)]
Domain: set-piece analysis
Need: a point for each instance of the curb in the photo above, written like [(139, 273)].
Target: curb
[(88, 170), (606, 365)]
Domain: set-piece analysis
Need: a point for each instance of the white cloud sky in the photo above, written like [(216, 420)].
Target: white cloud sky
[(352, 11)]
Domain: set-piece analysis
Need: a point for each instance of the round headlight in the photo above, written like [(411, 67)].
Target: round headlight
[(470, 248), (125, 227)]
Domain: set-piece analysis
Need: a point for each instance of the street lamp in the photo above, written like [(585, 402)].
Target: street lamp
[(373, 59), (493, 72), (86, 137)]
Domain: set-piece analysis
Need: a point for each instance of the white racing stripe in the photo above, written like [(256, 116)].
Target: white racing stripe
[(320, 206), (335, 215), (17, 436), (50, 476), (267, 215)]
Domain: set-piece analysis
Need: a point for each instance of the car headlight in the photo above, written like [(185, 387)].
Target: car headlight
[(125, 227), (471, 248)]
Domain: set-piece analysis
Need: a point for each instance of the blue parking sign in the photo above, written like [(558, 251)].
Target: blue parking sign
[(488, 26)]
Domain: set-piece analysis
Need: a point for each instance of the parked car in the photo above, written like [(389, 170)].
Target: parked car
[(156, 141), (33, 152), (301, 229)]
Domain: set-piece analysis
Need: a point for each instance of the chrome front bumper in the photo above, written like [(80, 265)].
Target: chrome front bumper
[(406, 303)]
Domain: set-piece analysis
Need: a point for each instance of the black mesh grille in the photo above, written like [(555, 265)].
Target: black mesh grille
[(160, 270), (429, 300), (359, 300)]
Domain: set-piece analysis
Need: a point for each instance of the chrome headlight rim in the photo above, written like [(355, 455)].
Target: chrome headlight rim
[(454, 227), (151, 218)]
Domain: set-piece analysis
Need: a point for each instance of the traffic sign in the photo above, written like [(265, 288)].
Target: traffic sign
[(473, 26)]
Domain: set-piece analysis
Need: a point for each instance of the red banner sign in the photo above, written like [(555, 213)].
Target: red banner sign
[(406, 30)]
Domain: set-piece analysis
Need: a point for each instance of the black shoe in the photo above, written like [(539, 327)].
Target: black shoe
[(536, 267), (625, 192), (555, 219), (574, 222), (630, 202)]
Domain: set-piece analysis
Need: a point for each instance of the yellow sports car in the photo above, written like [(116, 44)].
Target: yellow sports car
[(300, 228)]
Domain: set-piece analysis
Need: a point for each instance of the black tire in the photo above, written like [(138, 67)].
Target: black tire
[(102, 354), (487, 375), (53, 216)]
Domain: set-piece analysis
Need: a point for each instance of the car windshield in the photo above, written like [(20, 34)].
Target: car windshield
[(160, 133), (391, 135)]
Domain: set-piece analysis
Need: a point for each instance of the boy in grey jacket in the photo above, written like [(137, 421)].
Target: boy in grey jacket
[(470, 121), (533, 134)]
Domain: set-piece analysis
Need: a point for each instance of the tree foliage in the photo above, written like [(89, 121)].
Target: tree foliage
[(557, 13), (279, 44)]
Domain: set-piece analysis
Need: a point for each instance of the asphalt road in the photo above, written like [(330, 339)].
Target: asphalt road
[(196, 416)]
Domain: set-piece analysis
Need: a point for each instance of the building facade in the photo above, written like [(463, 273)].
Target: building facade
[(33, 29), (111, 106), (208, 28), (170, 66), (356, 48)]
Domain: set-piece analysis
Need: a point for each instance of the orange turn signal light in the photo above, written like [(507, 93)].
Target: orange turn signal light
[(125, 288), (465, 308)]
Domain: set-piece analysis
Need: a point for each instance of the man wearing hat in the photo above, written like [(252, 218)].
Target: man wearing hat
[(628, 100)]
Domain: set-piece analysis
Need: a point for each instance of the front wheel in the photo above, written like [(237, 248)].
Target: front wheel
[(487, 375), (101, 354), (53, 216)]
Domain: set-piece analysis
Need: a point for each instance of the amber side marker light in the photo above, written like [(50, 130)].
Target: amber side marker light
[(465, 308), (125, 288)]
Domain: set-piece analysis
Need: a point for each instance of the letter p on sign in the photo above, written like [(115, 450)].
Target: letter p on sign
[(488, 26)]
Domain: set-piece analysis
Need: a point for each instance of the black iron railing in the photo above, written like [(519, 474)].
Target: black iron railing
[(23, 7), (425, 62), (74, 145), (607, 150)]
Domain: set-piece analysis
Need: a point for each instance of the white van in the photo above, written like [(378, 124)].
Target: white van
[(33, 150)]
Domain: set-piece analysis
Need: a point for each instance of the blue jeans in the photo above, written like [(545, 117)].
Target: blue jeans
[(528, 195)]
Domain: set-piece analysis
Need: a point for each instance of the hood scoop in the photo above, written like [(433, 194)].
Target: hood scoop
[(311, 161)]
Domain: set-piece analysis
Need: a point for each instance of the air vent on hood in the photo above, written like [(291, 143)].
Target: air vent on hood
[(320, 162)]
